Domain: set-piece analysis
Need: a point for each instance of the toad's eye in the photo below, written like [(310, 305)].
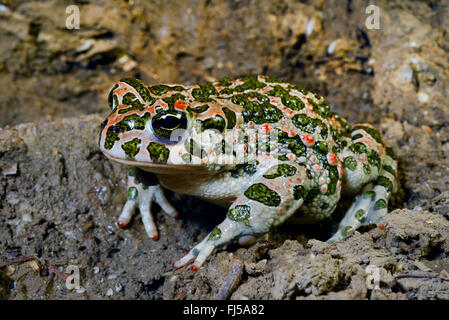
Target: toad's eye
[(166, 122)]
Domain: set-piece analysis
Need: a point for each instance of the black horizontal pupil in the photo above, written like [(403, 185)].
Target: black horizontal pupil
[(166, 122), (169, 122)]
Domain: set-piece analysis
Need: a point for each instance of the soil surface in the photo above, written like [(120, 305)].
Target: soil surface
[(60, 197)]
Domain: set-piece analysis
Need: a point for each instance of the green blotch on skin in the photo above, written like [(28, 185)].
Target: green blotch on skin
[(111, 138), (309, 125), (203, 93), (273, 80), (163, 89), (321, 147), (309, 174), (131, 100), (322, 109), (372, 132), (261, 193), (324, 131), (215, 234), (159, 89), (259, 110), (391, 153), (350, 163), (186, 158), (357, 136), (374, 159), (132, 193), (248, 168), (240, 213), (334, 176), (195, 252), (339, 142), (199, 109), (141, 89), (173, 98), (134, 122), (369, 195), (132, 147), (249, 83), (131, 122), (390, 170), (385, 182), (301, 120), (311, 195), (284, 170), (251, 168), (225, 82), (345, 230), (158, 152), (358, 147), (366, 169), (359, 215), (291, 102), (231, 117), (130, 171), (299, 192), (294, 144), (380, 204), (216, 122)]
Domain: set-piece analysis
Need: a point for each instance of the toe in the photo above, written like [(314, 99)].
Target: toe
[(189, 257), (199, 253), (161, 200), (126, 214), (148, 221), (202, 256), (121, 224)]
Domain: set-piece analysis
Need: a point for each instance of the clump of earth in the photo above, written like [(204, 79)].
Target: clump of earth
[(60, 196)]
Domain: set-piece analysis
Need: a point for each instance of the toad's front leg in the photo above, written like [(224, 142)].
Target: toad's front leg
[(143, 189), (268, 202)]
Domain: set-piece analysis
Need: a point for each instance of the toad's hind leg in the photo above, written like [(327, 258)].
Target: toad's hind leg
[(372, 204), (267, 203)]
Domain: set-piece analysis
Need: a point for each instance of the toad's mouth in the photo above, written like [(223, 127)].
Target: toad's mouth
[(160, 167)]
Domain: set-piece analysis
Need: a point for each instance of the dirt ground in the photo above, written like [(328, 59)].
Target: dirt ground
[(60, 197)]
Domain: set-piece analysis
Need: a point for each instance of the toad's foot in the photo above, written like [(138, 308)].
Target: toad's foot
[(141, 195), (221, 236), (369, 207)]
